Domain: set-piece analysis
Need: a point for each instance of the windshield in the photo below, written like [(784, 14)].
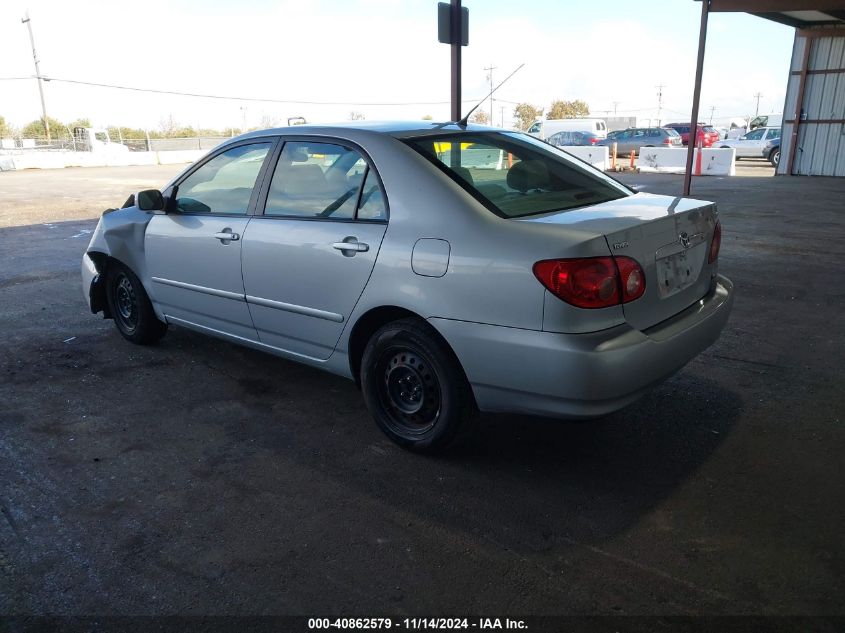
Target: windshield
[(515, 175)]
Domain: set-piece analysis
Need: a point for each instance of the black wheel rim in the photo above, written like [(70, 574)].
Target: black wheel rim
[(125, 303), (409, 391)]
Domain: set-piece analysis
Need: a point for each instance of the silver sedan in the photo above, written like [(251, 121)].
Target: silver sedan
[(445, 269)]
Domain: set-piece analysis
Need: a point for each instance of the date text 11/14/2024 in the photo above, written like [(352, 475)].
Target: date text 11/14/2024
[(432, 624)]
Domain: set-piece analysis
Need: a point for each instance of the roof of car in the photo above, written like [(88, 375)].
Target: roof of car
[(399, 129)]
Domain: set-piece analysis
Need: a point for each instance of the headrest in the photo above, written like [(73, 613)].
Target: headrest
[(463, 172), (528, 174)]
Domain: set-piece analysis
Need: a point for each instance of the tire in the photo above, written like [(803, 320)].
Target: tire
[(131, 308), (415, 388), (774, 157)]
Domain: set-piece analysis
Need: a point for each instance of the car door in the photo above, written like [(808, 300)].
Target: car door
[(750, 145), (307, 259), (193, 252)]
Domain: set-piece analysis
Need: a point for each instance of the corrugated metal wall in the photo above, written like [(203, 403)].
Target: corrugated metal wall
[(820, 147)]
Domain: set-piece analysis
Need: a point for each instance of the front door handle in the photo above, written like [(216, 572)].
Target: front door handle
[(350, 245), (226, 236)]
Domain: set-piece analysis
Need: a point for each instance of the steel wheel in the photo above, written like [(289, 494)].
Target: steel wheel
[(409, 391), (414, 386), (130, 306), (126, 302)]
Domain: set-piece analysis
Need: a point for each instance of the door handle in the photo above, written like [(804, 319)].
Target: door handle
[(226, 236), (351, 247)]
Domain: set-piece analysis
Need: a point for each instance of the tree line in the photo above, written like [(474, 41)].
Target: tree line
[(526, 113), (62, 131)]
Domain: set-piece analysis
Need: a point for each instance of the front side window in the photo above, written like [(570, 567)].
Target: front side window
[(535, 128), (323, 180), (224, 184), (515, 175)]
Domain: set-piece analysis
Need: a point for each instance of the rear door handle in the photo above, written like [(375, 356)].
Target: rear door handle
[(226, 236), (351, 247)]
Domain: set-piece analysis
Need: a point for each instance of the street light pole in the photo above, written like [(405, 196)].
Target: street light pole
[(456, 59), (26, 20)]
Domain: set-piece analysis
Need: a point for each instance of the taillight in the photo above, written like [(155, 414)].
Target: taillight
[(667, 141), (716, 244), (631, 278), (594, 140), (592, 282)]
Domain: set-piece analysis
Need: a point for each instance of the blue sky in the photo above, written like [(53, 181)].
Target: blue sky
[(610, 53)]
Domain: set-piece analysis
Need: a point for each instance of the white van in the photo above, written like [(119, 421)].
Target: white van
[(544, 129)]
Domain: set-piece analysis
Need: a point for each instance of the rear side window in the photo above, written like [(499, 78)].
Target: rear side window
[(514, 175), (323, 180)]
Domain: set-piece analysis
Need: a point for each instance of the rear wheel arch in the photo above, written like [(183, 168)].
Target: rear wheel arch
[(373, 320)]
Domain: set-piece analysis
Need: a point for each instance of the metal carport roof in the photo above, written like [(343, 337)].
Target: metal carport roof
[(801, 14)]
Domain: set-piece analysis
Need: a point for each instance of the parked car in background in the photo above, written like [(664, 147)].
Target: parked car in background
[(751, 144), (570, 139), (707, 134), (539, 285), (543, 129), (634, 138), (771, 152)]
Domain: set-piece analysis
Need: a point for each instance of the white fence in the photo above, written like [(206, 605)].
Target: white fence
[(57, 160), (598, 157), (672, 160)]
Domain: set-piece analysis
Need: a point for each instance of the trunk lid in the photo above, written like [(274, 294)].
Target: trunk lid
[(669, 237)]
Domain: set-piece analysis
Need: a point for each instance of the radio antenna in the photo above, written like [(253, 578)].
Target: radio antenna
[(464, 120)]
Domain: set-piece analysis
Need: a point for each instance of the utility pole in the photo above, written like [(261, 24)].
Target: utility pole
[(501, 116), (660, 102), (28, 22), (712, 110), (615, 105), (757, 109), (490, 70)]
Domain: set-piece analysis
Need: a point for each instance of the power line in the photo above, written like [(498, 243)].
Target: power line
[(256, 99), (16, 78)]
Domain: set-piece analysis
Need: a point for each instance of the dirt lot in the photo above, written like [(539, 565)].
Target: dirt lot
[(196, 477)]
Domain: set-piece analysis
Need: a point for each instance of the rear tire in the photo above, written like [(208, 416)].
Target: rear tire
[(131, 308), (414, 387)]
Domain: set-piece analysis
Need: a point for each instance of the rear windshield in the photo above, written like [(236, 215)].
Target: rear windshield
[(515, 175), (671, 131)]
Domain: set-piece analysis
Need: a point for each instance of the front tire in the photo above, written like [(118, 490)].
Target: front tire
[(414, 387), (131, 308), (774, 157)]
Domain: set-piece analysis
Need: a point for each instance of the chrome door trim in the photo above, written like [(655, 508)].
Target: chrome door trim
[(291, 307), (225, 294)]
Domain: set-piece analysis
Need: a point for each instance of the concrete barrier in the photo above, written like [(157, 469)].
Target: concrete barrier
[(59, 160), (673, 160), (598, 157)]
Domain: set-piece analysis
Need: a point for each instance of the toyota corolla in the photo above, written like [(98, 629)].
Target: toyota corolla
[(446, 269)]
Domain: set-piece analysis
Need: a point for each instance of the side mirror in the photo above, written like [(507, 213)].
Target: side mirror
[(149, 200)]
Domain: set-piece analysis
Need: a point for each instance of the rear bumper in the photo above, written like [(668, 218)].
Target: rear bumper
[(582, 375)]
